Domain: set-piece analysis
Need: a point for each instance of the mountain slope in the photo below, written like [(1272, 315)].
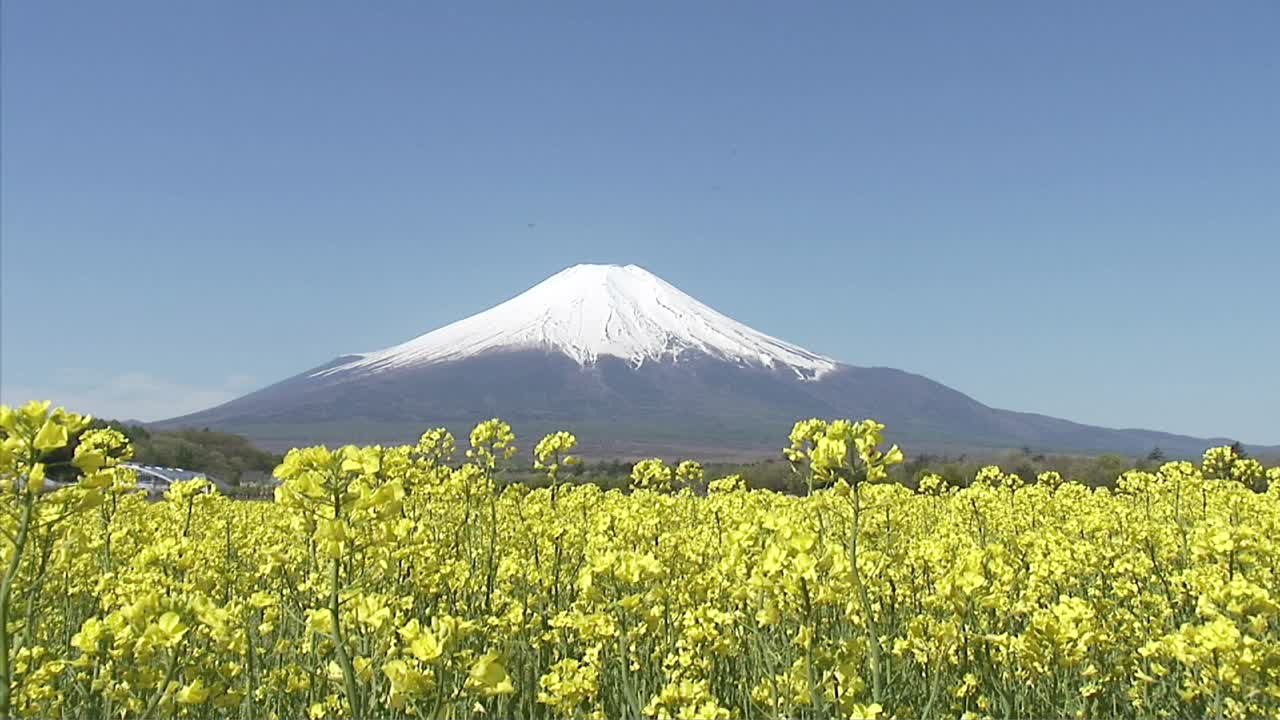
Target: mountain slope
[(633, 365)]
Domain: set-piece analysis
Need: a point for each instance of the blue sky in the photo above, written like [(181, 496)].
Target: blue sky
[(1071, 209)]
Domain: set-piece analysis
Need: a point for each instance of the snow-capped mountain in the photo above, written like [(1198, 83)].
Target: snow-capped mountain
[(632, 365), (590, 311)]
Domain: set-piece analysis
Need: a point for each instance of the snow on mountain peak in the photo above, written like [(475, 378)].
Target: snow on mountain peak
[(590, 311)]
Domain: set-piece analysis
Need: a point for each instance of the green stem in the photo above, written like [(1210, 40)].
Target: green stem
[(815, 694), (164, 684), (29, 617), (629, 696), (340, 644), (339, 640), (6, 590), (251, 674), (873, 635)]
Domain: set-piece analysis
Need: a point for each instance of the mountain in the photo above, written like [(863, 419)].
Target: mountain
[(633, 365)]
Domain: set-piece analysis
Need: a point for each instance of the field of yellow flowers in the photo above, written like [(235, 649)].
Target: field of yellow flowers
[(396, 582)]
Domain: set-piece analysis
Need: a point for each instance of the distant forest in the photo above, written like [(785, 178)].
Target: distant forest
[(776, 474), (236, 462), (226, 457)]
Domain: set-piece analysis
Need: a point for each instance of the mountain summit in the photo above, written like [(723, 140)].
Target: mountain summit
[(632, 365), (590, 311)]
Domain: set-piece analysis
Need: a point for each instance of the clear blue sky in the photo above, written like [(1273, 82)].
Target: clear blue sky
[(1064, 208)]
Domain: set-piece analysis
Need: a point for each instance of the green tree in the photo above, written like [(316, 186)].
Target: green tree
[(184, 457)]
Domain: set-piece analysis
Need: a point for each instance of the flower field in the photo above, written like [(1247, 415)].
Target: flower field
[(397, 582)]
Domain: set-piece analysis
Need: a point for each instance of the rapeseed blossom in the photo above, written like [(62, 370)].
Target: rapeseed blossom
[(398, 582)]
